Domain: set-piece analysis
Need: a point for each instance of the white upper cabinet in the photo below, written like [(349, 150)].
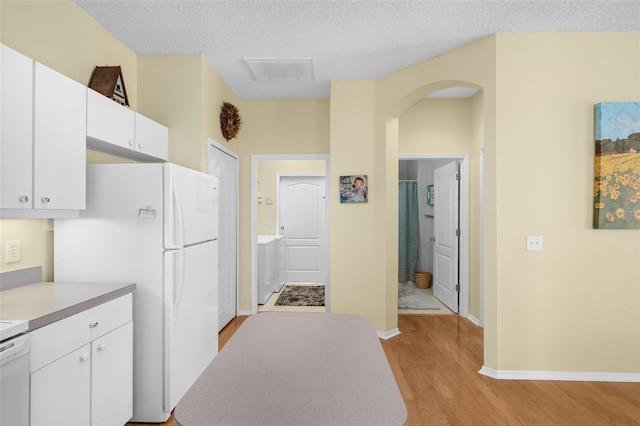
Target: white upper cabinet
[(151, 138), (117, 130), (16, 127), (108, 121), (43, 140), (59, 156)]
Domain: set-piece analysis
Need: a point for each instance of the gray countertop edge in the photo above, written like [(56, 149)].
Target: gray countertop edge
[(52, 317)]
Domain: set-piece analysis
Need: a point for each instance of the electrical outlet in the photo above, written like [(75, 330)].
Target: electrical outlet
[(534, 243), (13, 251)]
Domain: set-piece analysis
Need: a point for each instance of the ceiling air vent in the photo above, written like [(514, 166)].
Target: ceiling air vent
[(280, 69)]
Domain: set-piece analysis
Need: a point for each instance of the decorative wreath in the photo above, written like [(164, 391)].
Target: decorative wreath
[(230, 121)]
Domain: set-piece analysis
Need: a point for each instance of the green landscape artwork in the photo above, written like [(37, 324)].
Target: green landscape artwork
[(616, 190)]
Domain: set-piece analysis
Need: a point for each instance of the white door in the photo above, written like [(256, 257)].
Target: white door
[(445, 279), (225, 167), (301, 207)]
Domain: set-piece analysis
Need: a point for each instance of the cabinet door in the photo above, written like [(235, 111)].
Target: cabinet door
[(109, 121), (151, 138), (59, 161), (112, 377), (60, 391), (16, 131)]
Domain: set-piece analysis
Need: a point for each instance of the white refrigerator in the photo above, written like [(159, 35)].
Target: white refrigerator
[(155, 225)]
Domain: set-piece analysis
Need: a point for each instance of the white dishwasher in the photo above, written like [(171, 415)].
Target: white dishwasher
[(14, 373)]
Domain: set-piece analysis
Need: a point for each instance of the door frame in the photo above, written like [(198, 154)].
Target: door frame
[(481, 239), (463, 308), (213, 144), (255, 158), (324, 252)]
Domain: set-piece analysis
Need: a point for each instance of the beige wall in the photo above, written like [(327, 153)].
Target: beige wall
[(63, 37), (214, 92), (268, 170), (365, 136), (538, 140), (357, 261), (475, 248), (575, 306), (36, 245), (436, 126)]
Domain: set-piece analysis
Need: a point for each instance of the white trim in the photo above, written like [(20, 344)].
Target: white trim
[(244, 313), (224, 149), (481, 240), (386, 335), (474, 320), (254, 219), (236, 156), (464, 221), (575, 376)]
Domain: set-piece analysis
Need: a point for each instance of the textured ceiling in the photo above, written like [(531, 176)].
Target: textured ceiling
[(347, 40)]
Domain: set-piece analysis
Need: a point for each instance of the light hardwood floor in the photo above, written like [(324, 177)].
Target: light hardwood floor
[(436, 359)]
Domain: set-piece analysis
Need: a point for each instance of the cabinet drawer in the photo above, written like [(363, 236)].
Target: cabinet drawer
[(58, 339)]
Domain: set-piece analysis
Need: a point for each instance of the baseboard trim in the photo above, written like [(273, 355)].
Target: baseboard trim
[(386, 335), (474, 320), (244, 313), (559, 375)]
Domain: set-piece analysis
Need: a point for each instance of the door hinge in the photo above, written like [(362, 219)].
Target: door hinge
[(457, 232), (457, 287), (458, 176)]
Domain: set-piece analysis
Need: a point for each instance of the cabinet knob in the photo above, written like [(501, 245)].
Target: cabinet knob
[(24, 198), (46, 200), (102, 346), (131, 144), (93, 324), (84, 357), (140, 146)]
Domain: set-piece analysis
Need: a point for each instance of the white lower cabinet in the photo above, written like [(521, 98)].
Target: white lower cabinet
[(111, 377), (82, 368), (60, 391)]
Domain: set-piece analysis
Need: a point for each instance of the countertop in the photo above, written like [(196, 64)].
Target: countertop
[(46, 302)]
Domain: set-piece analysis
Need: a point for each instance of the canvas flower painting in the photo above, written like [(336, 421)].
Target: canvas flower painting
[(616, 189)]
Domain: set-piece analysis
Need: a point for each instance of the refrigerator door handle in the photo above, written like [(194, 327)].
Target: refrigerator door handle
[(177, 221), (178, 284)]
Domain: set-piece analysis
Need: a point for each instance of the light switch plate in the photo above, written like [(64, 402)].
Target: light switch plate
[(534, 243)]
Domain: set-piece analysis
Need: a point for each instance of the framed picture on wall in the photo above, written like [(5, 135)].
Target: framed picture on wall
[(430, 195), (616, 192), (354, 189)]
